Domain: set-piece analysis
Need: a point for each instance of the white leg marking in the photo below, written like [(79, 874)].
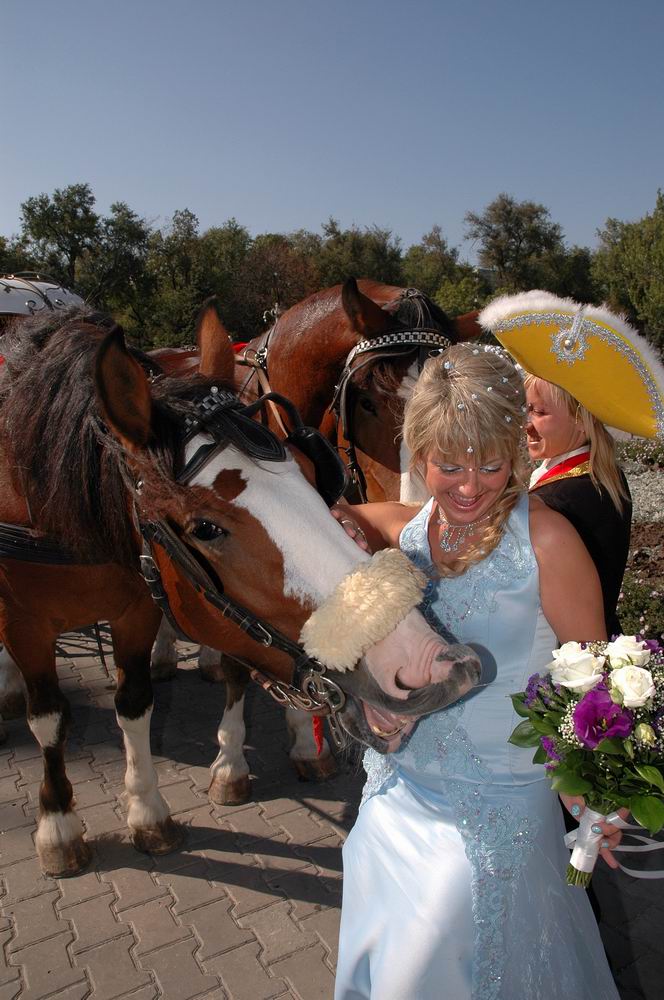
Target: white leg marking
[(11, 678), (230, 764), (301, 730), (145, 806), (164, 652), (56, 830), (45, 728)]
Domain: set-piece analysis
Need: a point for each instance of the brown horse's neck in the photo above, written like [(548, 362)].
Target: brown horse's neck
[(306, 368)]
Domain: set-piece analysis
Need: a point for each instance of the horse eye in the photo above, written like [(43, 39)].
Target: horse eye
[(207, 531), (368, 406)]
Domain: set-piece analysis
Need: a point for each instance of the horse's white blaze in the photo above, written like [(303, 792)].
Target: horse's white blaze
[(45, 728), (316, 551), (302, 733), (11, 678), (413, 488), (56, 830), (145, 806), (230, 763)]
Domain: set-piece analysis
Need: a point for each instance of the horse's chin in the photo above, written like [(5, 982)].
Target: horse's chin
[(375, 727)]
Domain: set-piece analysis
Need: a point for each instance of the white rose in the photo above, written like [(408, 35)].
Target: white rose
[(576, 668), (634, 683), (627, 649)]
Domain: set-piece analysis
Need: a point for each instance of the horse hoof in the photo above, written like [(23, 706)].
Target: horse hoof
[(160, 839), (230, 793), (317, 769), (12, 705), (65, 860), (163, 671)]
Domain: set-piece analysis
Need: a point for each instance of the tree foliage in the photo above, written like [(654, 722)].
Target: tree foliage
[(629, 269), (514, 240), (153, 279)]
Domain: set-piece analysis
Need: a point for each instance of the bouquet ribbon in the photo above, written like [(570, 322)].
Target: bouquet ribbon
[(586, 844)]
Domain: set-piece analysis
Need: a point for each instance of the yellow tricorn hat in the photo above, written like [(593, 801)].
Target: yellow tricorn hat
[(589, 351)]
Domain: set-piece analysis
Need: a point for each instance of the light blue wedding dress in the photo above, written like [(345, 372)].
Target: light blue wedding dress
[(454, 871)]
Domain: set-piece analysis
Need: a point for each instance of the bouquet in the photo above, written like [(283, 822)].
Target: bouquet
[(597, 720)]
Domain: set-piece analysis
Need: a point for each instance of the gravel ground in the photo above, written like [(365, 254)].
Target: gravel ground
[(647, 489)]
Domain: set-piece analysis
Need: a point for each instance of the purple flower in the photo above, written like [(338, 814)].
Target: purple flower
[(539, 687), (652, 645), (550, 748), (597, 718), (531, 689)]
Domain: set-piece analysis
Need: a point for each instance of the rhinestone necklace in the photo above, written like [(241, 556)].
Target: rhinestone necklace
[(454, 535)]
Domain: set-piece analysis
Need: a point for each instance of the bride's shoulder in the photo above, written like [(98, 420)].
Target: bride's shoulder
[(548, 528)]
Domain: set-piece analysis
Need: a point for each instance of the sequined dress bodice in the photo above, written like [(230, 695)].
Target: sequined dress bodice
[(495, 607)]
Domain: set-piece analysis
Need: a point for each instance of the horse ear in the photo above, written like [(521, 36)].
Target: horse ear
[(466, 327), (123, 392), (367, 318), (217, 358)]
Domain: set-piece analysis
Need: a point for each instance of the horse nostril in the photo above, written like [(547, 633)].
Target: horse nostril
[(400, 684)]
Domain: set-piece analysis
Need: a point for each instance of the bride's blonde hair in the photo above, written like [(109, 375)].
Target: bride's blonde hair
[(469, 405)]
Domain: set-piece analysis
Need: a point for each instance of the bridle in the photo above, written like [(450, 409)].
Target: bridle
[(402, 343), (423, 339), (224, 419)]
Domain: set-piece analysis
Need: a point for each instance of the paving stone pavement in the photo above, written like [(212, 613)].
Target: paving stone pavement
[(247, 909)]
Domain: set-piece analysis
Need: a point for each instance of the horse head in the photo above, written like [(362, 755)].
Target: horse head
[(236, 523)]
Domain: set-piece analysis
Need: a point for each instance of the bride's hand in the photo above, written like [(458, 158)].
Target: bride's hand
[(343, 515), (612, 835)]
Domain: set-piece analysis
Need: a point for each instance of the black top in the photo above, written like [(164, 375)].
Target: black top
[(604, 531)]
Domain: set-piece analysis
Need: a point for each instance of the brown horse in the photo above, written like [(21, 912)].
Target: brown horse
[(363, 343), (182, 461)]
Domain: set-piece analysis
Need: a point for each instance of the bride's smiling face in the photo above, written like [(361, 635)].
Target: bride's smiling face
[(463, 489)]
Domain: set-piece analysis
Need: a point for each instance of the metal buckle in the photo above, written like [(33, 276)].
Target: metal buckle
[(149, 569)]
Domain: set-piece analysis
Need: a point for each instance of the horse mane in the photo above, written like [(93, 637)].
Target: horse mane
[(415, 310), (72, 472)]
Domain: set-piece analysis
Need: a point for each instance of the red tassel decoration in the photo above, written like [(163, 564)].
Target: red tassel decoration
[(317, 725)]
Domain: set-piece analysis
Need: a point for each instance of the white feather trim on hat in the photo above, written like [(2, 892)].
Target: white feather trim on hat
[(366, 606)]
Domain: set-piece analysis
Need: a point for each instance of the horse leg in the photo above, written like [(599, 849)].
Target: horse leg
[(164, 658), (148, 818), (12, 688), (229, 774), (309, 764), (211, 665), (59, 841)]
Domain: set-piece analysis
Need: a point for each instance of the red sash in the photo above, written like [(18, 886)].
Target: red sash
[(562, 467)]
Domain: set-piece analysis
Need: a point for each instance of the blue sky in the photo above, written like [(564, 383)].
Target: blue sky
[(285, 112)]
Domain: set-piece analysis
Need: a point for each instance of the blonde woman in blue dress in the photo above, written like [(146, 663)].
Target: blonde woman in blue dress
[(454, 871)]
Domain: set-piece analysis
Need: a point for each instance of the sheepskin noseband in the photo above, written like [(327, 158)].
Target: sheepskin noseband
[(366, 606)]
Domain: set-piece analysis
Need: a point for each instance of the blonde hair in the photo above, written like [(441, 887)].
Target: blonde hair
[(604, 469), (469, 401)]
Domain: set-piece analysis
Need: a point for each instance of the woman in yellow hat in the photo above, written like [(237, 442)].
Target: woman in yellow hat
[(578, 475), (586, 368)]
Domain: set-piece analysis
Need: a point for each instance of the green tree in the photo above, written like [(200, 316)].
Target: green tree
[(629, 269), (57, 231), (514, 238), (363, 253), (112, 273), (431, 262), (465, 291)]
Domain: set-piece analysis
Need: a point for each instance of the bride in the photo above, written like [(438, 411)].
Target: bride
[(454, 873)]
